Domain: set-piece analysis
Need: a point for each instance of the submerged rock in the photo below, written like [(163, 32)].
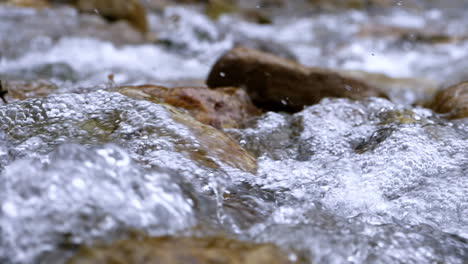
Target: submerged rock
[(213, 143), (131, 10), (222, 108), (452, 101), (408, 34), (401, 90), (155, 132), (185, 250), (279, 84)]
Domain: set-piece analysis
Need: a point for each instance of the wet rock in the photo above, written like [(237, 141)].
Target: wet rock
[(104, 117), (216, 8), (170, 250), (3, 92), (119, 33), (213, 144), (29, 3), (222, 108), (20, 90), (374, 140), (130, 10), (257, 16), (452, 101), (399, 117), (279, 84)]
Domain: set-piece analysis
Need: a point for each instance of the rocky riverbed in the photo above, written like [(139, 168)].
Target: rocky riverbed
[(233, 131)]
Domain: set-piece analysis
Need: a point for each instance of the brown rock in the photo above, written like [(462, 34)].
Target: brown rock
[(215, 146), (29, 3), (279, 84), (222, 108), (216, 8), (169, 250), (19, 90), (452, 101), (214, 143), (130, 10)]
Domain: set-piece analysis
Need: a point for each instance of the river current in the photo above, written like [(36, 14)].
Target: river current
[(342, 181)]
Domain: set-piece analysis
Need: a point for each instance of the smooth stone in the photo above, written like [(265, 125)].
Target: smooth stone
[(452, 101), (278, 84)]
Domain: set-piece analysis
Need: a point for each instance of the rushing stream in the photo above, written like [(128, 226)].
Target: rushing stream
[(342, 181)]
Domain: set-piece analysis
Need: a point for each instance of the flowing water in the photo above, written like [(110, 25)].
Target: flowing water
[(342, 181)]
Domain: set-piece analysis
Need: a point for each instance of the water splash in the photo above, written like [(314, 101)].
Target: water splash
[(75, 195)]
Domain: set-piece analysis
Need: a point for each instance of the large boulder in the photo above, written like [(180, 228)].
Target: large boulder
[(452, 101), (226, 107), (278, 84), (170, 250)]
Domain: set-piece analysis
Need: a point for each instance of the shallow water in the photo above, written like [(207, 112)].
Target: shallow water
[(339, 182)]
